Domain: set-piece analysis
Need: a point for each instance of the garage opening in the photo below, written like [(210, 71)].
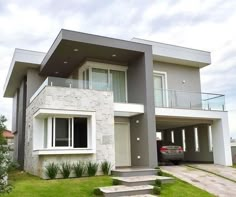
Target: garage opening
[(190, 137)]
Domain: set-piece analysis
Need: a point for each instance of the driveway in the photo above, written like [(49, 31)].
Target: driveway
[(224, 171), (204, 180)]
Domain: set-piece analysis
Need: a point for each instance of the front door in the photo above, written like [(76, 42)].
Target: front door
[(122, 145)]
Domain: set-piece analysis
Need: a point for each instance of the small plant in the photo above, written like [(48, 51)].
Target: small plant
[(106, 167), (156, 190), (52, 170), (92, 168), (97, 192), (65, 169), (158, 183), (116, 182), (79, 169), (159, 173)]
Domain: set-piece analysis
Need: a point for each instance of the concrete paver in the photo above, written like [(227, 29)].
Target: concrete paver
[(209, 182), (224, 171)]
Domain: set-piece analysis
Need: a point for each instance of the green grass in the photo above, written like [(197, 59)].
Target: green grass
[(181, 189), (234, 166), (27, 185)]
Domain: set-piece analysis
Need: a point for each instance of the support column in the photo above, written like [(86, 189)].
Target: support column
[(221, 141)]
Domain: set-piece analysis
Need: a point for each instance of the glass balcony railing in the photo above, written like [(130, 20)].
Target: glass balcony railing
[(82, 84), (189, 100)]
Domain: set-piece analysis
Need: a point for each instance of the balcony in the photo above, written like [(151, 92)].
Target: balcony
[(121, 106), (189, 100)]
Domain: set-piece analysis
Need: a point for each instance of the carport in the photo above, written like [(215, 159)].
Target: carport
[(203, 134), (193, 135)]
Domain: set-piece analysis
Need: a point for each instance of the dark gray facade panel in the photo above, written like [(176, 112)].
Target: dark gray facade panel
[(21, 122), (140, 77)]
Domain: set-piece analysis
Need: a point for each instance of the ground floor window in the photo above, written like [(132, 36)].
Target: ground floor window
[(69, 132)]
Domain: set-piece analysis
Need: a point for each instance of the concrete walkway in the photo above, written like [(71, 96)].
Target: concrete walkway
[(224, 171), (206, 181)]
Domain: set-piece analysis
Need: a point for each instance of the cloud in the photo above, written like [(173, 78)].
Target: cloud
[(207, 25)]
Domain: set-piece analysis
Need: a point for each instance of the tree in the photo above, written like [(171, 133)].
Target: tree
[(4, 158), (2, 128)]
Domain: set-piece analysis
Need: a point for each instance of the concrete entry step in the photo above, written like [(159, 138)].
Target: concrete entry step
[(142, 180), (128, 172), (122, 190)]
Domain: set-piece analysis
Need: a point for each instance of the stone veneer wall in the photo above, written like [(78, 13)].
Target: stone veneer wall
[(72, 99)]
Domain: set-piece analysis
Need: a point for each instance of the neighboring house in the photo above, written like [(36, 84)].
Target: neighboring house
[(97, 98), (8, 135)]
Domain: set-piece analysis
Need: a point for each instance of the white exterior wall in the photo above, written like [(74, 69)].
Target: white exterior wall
[(70, 99)]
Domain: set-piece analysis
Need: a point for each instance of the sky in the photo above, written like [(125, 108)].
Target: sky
[(207, 25)]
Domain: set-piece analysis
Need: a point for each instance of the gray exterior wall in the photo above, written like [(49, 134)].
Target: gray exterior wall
[(177, 73), (100, 102), (34, 81), (140, 90)]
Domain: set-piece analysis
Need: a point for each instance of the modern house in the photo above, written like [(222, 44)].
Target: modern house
[(98, 98)]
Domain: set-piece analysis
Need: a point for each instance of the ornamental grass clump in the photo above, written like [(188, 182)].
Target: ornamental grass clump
[(51, 170), (65, 169), (79, 169), (106, 167), (92, 168)]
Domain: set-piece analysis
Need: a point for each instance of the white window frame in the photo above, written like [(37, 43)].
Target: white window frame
[(184, 140), (163, 76), (172, 135), (90, 65), (196, 139), (210, 143), (38, 135)]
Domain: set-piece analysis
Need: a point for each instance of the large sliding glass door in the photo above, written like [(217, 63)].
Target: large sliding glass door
[(100, 79), (118, 85), (104, 79)]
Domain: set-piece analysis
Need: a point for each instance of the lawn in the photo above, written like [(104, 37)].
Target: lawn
[(27, 186), (182, 189), (234, 166)]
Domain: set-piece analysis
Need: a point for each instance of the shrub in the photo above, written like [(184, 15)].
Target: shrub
[(92, 168), (156, 190), (79, 169), (158, 183), (106, 167), (5, 159), (116, 182), (159, 173), (97, 192), (52, 170), (65, 169)]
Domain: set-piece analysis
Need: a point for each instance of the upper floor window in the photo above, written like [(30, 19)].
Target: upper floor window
[(100, 76), (160, 89)]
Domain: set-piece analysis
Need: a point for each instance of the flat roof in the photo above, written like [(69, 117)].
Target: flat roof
[(177, 54), (70, 48), (22, 60)]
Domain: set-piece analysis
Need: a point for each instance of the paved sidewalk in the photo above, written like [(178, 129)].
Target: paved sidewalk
[(206, 181), (224, 171)]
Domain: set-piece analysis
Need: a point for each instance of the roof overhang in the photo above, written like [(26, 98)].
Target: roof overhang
[(71, 48), (22, 60), (177, 54)]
